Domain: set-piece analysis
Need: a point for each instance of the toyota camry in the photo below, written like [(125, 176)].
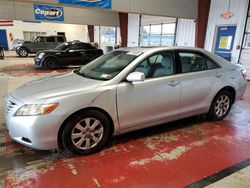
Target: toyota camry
[(122, 91)]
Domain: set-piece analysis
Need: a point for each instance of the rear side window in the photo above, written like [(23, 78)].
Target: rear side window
[(193, 62), (60, 39), (51, 39), (76, 46), (88, 46)]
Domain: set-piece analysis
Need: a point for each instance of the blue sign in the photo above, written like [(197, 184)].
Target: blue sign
[(49, 13), (105, 4)]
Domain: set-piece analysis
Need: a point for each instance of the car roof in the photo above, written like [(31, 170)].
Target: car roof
[(76, 41), (152, 49), (144, 49)]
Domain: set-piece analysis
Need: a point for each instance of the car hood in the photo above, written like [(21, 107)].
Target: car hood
[(54, 86)]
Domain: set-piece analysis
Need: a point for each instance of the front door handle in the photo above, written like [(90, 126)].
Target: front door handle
[(173, 83)]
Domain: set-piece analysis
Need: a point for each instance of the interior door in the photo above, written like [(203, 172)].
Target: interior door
[(154, 99), (224, 41)]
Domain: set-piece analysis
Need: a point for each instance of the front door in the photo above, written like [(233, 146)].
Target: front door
[(154, 99), (3, 39), (224, 41)]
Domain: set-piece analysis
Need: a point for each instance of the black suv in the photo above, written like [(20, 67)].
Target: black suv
[(67, 53), (39, 43)]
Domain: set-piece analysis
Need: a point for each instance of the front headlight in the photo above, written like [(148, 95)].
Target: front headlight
[(35, 109), (40, 56)]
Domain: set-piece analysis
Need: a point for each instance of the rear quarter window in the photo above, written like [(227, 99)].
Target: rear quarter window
[(60, 39), (51, 39)]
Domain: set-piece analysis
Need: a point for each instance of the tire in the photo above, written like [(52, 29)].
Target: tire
[(23, 52), (1, 55), (79, 131), (220, 106), (50, 63)]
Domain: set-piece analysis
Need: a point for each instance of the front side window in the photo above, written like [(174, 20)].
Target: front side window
[(193, 62), (39, 39), (108, 66), (157, 65), (62, 46)]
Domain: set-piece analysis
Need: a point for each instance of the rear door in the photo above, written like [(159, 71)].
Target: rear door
[(90, 52), (51, 42), (73, 55), (154, 99), (199, 75)]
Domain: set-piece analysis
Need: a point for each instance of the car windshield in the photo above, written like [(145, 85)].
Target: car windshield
[(62, 46), (108, 66)]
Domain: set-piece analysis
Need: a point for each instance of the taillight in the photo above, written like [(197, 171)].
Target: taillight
[(244, 73)]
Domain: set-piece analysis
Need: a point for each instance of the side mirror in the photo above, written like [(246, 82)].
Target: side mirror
[(136, 77)]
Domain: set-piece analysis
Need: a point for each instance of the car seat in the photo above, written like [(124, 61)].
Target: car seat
[(166, 69)]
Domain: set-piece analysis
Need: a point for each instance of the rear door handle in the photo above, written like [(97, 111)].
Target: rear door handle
[(219, 74), (173, 83)]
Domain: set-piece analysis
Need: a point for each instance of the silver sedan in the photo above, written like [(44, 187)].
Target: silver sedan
[(125, 90)]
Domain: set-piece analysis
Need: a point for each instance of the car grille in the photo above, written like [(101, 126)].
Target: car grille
[(9, 107)]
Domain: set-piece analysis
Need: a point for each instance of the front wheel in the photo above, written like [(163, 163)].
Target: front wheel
[(23, 52), (50, 63), (86, 132), (220, 106)]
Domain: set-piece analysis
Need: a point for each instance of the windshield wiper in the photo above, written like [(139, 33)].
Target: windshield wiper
[(77, 71)]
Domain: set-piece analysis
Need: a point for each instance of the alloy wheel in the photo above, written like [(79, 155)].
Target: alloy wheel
[(23, 53), (87, 133), (222, 105)]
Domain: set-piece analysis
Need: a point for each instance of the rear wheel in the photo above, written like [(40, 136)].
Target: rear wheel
[(1, 54), (23, 52), (86, 132), (220, 106), (50, 63)]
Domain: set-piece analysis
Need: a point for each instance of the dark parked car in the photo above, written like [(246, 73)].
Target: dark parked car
[(67, 53), (39, 43)]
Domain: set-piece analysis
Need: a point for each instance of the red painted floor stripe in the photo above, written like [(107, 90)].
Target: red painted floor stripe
[(172, 155)]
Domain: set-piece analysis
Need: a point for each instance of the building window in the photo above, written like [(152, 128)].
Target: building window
[(107, 36), (30, 35), (157, 35)]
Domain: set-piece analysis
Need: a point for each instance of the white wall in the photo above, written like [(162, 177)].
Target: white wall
[(72, 32), (133, 29), (185, 33), (239, 10)]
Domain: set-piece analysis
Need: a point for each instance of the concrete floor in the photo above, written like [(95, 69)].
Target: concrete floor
[(189, 153)]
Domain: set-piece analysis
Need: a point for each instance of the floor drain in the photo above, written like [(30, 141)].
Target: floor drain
[(4, 144)]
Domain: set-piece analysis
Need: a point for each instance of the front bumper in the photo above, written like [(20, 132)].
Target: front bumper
[(39, 132), (38, 62)]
